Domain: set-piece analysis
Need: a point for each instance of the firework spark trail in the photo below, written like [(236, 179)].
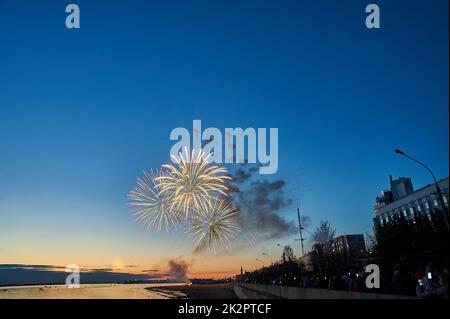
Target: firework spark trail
[(214, 226), (193, 192), (192, 181), (152, 209)]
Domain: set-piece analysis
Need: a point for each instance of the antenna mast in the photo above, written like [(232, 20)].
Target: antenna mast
[(300, 227)]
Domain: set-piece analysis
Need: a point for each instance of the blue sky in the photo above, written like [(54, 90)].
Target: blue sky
[(83, 112)]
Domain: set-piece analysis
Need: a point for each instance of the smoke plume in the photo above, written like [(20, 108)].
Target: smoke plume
[(178, 269), (260, 203)]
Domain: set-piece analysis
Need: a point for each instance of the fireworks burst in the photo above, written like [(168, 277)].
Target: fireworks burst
[(192, 181), (214, 226), (192, 192), (153, 210)]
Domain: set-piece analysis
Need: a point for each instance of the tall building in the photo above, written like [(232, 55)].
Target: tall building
[(401, 187), (401, 198), (347, 250), (352, 248)]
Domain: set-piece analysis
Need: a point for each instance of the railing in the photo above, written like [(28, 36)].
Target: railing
[(254, 291)]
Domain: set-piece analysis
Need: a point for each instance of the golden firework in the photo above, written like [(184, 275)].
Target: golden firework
[(214, 226), (152, 208), (192, 182)]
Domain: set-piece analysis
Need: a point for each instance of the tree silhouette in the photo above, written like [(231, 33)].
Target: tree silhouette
[(288, 253), (406, 243), (324, 234)]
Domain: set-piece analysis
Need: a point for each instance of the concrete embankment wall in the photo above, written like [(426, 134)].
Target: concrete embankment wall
[(253, 291)]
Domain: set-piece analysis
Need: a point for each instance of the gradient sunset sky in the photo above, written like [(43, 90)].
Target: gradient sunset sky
[(83, 112)]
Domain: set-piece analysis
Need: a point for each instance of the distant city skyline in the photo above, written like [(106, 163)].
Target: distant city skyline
[(83, 112)]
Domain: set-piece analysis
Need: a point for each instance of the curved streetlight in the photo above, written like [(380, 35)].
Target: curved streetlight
[(438, 189)]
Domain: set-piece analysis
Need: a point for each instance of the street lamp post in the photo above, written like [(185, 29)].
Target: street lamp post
[(262, 269), (282, 250), (438, 189)]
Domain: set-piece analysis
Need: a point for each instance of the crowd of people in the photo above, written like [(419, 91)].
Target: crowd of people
[(426, 282), (346, 281), (431, 283)]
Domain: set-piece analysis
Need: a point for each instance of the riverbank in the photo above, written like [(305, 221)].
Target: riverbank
[(88, 291), (196, 291)]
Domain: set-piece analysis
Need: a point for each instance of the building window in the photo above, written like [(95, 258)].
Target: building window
[(427, 206), (445, 199), (435, 203), (405, 213), (411, 211), (419, 209)]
